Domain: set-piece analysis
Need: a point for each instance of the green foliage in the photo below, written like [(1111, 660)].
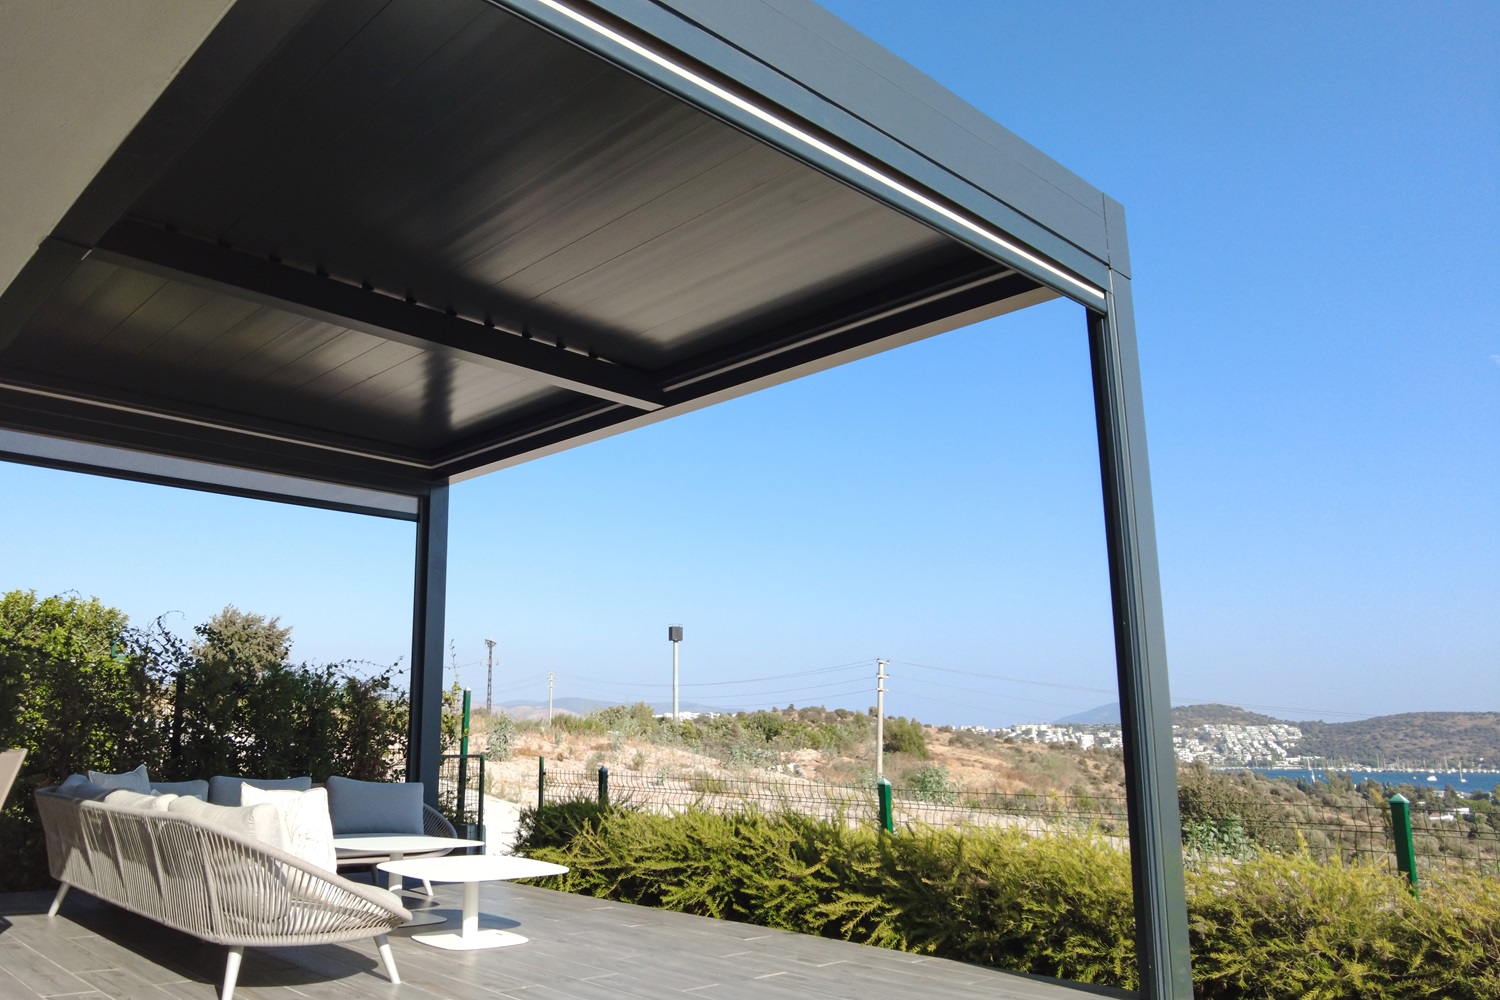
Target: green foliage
[(451, 721), (1215, 805), (1216, 838), (236, 639), (991, 898), (1263, 927), (499, 737), (81, 689), (82, 686), (906, 736), (1289, 926), (931, 783)]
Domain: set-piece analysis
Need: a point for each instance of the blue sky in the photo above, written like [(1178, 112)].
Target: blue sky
[(1314, 202)]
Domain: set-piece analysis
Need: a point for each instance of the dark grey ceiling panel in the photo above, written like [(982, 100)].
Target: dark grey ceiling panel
[(763, 54), (393, 242)]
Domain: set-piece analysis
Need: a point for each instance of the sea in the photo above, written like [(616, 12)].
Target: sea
[(1468, 781)]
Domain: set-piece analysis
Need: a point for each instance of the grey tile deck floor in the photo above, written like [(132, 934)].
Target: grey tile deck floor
[(579, 949)]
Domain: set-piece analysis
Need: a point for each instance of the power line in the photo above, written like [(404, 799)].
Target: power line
[(748, 680), (1009, 680)]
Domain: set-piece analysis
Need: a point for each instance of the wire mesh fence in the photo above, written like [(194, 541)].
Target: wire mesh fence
[(1345, 833), (460, 791)]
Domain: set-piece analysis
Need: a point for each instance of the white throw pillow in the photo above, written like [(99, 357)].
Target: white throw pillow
[(135, 800), (262, 823), (308, 828)]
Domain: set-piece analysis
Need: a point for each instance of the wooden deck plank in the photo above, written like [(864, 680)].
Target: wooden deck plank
[(579, 949), (38, 972)]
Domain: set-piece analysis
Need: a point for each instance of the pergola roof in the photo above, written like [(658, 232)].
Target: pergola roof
[(394, 244)]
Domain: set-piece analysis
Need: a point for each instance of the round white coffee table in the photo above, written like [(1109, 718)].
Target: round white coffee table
[(471, 870), (396, 846)]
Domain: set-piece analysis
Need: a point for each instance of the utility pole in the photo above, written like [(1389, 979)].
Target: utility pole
[(551, 679), (489, 684), (674, 636), (880, 679)]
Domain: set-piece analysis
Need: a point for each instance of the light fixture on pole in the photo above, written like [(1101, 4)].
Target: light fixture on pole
[(674, 636)]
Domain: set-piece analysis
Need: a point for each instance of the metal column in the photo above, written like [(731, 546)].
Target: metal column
[(430, 596), (1162, 952)]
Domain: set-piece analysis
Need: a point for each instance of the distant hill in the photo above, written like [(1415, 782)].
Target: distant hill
[(1182, 715), (1191, 716), (1424, 738), (1104, 715), (1420, 738)]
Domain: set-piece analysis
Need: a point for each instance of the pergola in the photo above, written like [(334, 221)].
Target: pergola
[(348, 253)]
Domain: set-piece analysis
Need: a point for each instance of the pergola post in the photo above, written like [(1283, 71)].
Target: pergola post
[(430, 597), (1161, 926)]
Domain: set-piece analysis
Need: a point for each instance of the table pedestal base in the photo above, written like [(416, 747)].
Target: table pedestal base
[(476, 941), (471, 938)]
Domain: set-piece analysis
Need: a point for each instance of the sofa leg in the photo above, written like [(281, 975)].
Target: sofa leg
[(62, 890), (384, 944), (232, 971)]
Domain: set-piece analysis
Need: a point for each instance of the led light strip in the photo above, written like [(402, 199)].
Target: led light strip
[(808, 139)]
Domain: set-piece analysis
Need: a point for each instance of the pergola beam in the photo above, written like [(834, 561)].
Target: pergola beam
[(166, 254)]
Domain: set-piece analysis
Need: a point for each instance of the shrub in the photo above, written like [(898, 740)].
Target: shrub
[(499, 736), (906, 736), (1264, 927), (932, 783)]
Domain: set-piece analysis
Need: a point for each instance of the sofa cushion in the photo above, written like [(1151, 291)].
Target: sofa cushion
[(308, 829), (197, 789), (262, 822), (135, 781), (76, 786), (225, 791), (374, 806), (135, 800)]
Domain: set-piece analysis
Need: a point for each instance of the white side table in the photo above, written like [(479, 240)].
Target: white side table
[(471, 870), (397, 846)]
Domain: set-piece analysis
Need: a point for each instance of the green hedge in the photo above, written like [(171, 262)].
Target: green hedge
[(1266, 927)]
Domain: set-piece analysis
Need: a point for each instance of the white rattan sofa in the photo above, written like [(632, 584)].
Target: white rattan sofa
[(208, 882)]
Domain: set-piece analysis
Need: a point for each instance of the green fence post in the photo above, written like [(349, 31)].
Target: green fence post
[(541, 781), (603, 787), (887, 820), (463, 764), (1406, 856)]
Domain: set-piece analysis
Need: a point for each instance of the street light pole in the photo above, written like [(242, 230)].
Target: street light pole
[(674, 636)]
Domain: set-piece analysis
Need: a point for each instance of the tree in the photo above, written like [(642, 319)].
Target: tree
[(242, 638)]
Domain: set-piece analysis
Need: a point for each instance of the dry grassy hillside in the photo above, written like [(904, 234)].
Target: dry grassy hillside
[(798, 745)]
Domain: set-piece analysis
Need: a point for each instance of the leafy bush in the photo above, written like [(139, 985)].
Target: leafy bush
[(906, 736), (1264, 927), (931, 783), (499, 735)]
